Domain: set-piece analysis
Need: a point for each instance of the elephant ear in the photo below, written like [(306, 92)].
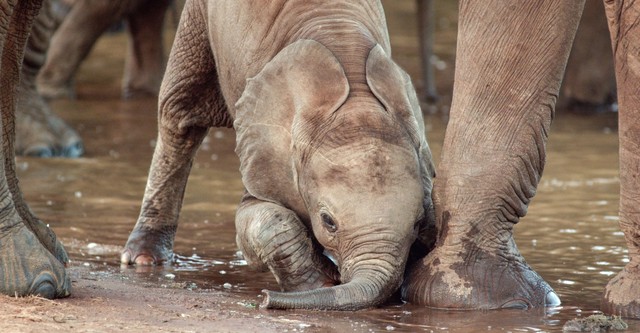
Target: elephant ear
[(393, 87), (304, 77)]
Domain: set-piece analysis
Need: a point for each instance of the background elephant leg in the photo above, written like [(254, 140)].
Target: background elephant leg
[(622, 294), (426, 26), (26, 267), (510, 60), (40, 132), (73, 40), (185, 115), (589, 81), (144, 64), (273, 236)]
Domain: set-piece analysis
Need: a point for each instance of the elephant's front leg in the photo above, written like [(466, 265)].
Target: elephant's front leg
[(190, 102), (271, 236), (622, 294), (151, 241), (510, 60)]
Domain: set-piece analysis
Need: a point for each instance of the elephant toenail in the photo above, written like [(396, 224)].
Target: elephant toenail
[(552, 299), (74, 150), (44, 286)]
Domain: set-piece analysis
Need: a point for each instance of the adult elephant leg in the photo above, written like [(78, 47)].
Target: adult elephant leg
[(622, 294), (73, 40), (426, 27), (26, 267), (39, 131), (144, 64), (589, 81), (46, 236), (271, 236), (510, 60), (190, 102)]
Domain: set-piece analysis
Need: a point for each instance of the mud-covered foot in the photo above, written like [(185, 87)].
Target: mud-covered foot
[(27, 268), (481, 280), (148, 247), (622, 294)]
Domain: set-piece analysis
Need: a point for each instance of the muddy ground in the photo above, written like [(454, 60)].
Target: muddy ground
[(111, 303)]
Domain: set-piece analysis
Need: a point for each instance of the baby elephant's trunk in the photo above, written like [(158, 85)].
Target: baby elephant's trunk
[(369, 287), (355, 295)]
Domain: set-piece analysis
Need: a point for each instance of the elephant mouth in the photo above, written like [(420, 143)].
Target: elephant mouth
[(330, 256)]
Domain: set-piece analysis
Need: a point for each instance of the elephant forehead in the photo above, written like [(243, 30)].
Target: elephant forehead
[(358, 121), (367, 167)]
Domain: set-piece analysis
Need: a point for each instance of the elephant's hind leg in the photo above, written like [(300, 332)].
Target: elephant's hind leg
[(508, 74), (190, 102), (622, 294), (271, 236)]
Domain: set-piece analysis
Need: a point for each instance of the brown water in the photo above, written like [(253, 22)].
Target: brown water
[(570, 235)]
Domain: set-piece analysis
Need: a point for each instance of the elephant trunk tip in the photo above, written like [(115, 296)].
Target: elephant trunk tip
[(266, 300), (280, 300)]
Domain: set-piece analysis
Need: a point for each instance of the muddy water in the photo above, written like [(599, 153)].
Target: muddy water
[(570, 235)]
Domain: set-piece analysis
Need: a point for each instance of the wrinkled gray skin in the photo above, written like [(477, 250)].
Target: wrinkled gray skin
[(330, 138), (508, 74), (31, 259)]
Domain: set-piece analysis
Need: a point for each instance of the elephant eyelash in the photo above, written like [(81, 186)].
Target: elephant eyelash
[(328, 222)]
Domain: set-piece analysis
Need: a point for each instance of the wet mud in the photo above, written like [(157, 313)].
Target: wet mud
[(570, 235)]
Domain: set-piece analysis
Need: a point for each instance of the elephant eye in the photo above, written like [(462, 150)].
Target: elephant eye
[(328, 222)]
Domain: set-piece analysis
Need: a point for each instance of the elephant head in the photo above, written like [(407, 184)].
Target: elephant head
[(356, 169)]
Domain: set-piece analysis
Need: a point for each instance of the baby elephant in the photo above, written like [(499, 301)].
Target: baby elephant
[(330, 138)]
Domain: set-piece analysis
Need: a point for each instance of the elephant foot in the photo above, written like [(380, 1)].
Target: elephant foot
[(27, 268), (41, 133), (273, 237), (148, 247), (479, 280), (622, 293)]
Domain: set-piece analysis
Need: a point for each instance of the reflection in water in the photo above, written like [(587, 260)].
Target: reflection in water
[(570, 235)]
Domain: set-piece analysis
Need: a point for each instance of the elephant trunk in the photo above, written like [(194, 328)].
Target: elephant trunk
[(368, 287), (355, 295)]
